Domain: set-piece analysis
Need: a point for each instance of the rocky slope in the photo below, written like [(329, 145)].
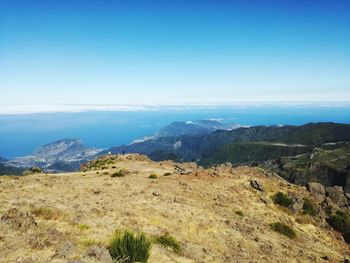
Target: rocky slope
[(220, 214), (62, 155)]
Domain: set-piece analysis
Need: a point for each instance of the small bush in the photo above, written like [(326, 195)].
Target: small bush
[(83, 227), (283, 229), (36, 170), (309, 208), (169, 242), (340, 221), (153, 176), (129, 247), (27, 172), (105, 173), (167, 174), (238, 212), (117, 174), (282, 199)]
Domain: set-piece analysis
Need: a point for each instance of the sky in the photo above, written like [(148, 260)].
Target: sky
[(160, 52)]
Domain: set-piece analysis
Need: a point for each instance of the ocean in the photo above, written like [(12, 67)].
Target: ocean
[(20, 134)]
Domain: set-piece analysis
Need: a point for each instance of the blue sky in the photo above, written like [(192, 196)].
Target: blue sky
[(169, 52)]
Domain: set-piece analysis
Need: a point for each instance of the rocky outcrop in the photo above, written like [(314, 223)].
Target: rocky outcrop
[(18, 220), (100, 254), (337, 196), (316, 188), (257, 185)]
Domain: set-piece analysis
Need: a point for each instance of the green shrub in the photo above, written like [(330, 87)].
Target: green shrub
[(83, 227), (153, 176), (169, 242), (105, 173), (117, 174), (282, 199), (167, 174), (283, 229), (340, 221), (129, 247), (27, 172), (238, 212), (36, 170), (309, 208)]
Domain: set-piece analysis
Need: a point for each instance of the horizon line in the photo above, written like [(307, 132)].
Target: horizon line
[(20, 109)]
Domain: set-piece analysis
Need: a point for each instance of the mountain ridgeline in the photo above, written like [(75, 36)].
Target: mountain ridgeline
[(266, 146), (317, 152)]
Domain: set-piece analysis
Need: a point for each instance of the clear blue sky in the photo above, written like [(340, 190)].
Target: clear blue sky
[(141, 52)]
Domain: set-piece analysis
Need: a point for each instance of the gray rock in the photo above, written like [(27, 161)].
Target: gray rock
[(298, 205), (156, 193), (316, 188), (337, 196), (99, 253), (65, 250), (266, 200), (18, 219), (257, 185)]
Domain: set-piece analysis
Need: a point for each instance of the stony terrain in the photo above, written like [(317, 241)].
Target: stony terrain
[(220, 214)]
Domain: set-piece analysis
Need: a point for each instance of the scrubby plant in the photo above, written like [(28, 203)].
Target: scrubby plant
[(36, 170), (309, 208), (130, 247), (167, 174), (83, 227), (117, 174), (239, 212), (105, 173), (340, 221), (153, 176), (169, 242), (282, 199), (283, 229), (27, 172)]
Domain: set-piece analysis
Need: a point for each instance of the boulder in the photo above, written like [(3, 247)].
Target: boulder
[(65, 250), (316, 188), (337, 196), (99, 253), (297, 205), (257, 185), (18, 219)]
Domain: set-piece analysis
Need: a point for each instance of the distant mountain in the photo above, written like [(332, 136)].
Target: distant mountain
[(198, 147), (257, 146), (201, 127), (62, 155)]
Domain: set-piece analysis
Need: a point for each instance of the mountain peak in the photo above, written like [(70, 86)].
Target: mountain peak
[(59, 147)]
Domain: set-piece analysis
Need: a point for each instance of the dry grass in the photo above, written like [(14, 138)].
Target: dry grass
[(198, 208)]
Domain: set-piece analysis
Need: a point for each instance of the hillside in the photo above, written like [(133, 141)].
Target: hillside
[(62, 155), (215, 214)]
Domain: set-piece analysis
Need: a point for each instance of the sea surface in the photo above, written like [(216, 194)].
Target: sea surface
[(20, 134)]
